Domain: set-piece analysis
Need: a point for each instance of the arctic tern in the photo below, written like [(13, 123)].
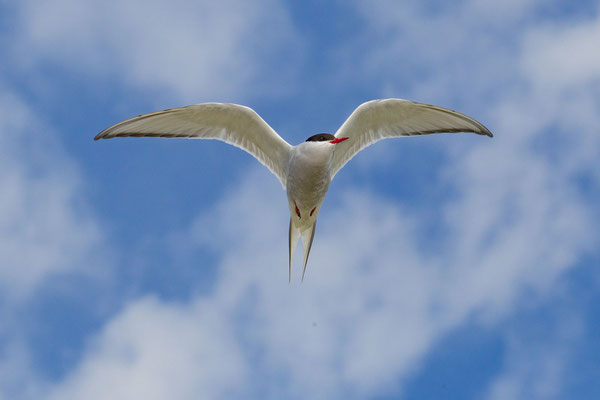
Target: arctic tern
[(306, 170)]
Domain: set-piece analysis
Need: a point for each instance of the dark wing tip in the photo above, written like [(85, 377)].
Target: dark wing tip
[(103, 135), (481, 129), (485, 131)]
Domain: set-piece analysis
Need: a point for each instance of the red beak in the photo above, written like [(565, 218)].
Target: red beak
[(338, 140)]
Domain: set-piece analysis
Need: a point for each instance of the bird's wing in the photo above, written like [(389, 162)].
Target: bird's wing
[(234, 124), (382, 119)]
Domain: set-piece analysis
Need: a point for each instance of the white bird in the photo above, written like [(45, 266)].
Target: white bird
[(306, 170)]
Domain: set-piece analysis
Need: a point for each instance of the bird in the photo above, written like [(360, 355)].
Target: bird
[(306, 170)]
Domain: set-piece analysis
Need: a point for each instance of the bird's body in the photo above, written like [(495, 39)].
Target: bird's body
[(308, 180), (305, 170)]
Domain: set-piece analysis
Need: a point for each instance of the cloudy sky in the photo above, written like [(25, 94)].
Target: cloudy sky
[(446, 266)]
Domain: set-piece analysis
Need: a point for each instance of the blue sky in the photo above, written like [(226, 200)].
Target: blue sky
[(447, 266)]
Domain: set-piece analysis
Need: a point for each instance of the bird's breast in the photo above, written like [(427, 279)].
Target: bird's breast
[(308, 181)]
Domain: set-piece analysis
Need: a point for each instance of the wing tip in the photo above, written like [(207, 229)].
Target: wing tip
[(485, 131), (105, 134)]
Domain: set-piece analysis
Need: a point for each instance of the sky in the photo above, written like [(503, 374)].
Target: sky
[(445, 266)]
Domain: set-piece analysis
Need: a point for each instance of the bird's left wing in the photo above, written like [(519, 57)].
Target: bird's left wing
[(381, 119), (231, 123)]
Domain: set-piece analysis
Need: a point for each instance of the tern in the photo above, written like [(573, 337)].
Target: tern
[(306, 170)]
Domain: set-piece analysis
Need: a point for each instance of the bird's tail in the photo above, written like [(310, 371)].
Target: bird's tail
[(293, 241), (307, 239)]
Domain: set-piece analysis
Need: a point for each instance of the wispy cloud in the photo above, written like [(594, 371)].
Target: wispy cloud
[(371, 308), (45, 228), (50, 241), (190, 50), (387, 279), (537, 362), (156, 350)]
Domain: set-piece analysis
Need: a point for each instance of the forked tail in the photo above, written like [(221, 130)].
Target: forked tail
[(307, 239)]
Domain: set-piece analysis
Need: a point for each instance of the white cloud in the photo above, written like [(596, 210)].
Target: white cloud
[(17, 377), (372, 305), (45, 229), (535, 83), (535, 369), (154, 350), (374, 302), (561, 68), (562, 56), (194, 50), (48, 239), (442, 53)]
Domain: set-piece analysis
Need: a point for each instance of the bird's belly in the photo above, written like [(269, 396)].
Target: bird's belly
[(307, 184), (307, 193)]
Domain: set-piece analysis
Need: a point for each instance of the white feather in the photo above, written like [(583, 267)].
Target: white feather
[(231, 123), (382, 119)]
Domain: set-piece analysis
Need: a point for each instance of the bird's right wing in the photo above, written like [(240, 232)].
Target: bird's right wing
[(231, 123), (381, 119)]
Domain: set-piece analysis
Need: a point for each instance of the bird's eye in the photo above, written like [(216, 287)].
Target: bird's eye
[(321, 138)]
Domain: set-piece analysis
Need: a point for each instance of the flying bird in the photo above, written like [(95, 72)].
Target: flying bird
[(305, 170)]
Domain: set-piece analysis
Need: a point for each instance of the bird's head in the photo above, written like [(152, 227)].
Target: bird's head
[(325, 138)]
